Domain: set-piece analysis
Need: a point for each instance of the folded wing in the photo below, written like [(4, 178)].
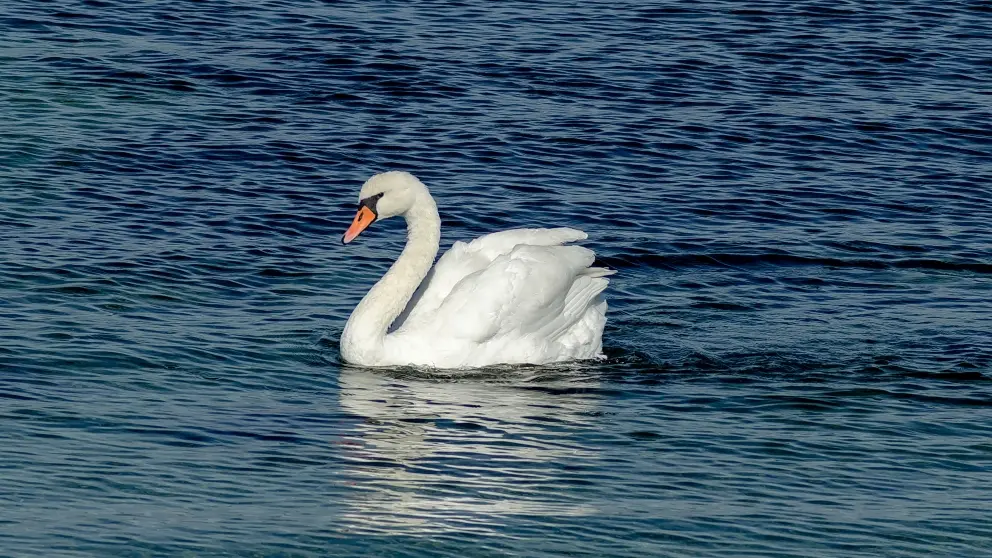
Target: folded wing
[(521, 283)]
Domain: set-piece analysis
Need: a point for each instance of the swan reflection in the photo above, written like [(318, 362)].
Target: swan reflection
[(434, 453)]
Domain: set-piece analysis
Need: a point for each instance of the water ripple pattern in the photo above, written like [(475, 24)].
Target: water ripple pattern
[(797, 197)]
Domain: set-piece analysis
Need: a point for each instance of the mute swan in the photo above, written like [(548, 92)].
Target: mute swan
[(516, 296)]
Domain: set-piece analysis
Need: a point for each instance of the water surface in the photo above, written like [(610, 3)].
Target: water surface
[(796, 196)]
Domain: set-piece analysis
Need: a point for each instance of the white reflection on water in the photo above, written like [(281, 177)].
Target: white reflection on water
[(434, 454)]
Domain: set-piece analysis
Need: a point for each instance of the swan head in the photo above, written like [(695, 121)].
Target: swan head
[(385, 195)]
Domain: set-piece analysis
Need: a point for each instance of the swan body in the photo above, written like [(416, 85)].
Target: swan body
[(511, 297)]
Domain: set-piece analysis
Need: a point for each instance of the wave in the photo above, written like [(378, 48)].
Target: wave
[(680, 261)]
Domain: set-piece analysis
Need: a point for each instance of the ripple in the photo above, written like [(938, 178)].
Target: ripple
[(795, 196)]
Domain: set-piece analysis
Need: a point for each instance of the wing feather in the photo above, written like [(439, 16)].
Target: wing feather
[(519, 293), (465, 260)]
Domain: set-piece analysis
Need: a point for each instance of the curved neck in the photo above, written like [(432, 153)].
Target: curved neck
[(363, 335)]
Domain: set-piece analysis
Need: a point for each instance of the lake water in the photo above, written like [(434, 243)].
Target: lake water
[(797, 197)]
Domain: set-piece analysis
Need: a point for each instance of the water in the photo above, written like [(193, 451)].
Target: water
[(796, 195)]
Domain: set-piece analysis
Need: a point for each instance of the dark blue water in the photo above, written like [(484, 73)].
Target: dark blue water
[(797, 196)]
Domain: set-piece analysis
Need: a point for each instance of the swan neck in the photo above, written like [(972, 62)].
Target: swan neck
[(365, 333)]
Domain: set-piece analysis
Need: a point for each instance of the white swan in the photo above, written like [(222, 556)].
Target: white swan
[(516, 296)]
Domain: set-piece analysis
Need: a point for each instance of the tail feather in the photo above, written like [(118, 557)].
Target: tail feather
[(598, 272), (583, 294)]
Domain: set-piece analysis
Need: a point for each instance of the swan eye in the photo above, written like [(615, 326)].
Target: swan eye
[(370, 203)]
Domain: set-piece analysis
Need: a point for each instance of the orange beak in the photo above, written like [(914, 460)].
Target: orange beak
[(363, 219)]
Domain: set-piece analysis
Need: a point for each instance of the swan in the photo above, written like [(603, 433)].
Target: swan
[(512, 297)]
